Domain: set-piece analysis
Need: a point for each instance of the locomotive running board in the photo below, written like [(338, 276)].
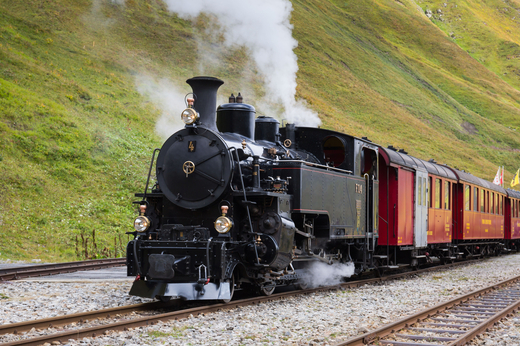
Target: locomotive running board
[(187, 291), (388, 267)]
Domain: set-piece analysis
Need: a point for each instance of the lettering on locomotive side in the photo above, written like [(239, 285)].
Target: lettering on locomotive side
[(358, 214), (359, 188)]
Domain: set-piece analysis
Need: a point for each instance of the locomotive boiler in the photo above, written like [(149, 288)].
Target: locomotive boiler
[(240, 203)]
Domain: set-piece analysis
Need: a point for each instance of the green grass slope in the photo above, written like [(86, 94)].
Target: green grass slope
[(76, 136), (488, 30), (386, 71)]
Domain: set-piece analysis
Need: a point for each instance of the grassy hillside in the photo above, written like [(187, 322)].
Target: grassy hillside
[(400, 80), (76, 136), (489, 31)]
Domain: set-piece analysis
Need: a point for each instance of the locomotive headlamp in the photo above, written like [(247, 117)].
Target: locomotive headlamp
[(223, 224), (189, 116), (141, 224)]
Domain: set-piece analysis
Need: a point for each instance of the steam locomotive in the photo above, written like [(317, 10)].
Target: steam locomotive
[(239, 202)]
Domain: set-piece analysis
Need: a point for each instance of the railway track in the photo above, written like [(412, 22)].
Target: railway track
[(452, 323), (58, 268), (180, 311)]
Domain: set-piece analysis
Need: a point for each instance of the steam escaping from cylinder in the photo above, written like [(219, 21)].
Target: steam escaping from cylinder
[(322, 274), (264, 28)]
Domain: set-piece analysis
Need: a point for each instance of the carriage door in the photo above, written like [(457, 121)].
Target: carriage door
[(420, 235)]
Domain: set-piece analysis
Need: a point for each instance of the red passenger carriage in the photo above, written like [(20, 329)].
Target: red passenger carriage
[(512, 219), (478, 215), (415, 209)]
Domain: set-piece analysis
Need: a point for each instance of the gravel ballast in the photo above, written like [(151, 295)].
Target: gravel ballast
[(316, 319)]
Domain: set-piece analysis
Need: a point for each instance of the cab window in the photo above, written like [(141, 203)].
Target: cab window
[(333, 151)]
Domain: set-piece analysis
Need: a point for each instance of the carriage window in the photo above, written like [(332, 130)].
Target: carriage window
[(447, 195), (425, 191), (482, 193), (333, 151), (437, 193), (501, 201), (492, 203), (467, 197), (475, 199), (419, 193), (487, 201), (430, 191)]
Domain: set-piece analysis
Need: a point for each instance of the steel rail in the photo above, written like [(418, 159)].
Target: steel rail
[(442, 308), (58, 268), (17, 328), (52, 322)]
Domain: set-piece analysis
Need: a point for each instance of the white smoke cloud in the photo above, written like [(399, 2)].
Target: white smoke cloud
[(264, 28), (170, 100), (322, 274)]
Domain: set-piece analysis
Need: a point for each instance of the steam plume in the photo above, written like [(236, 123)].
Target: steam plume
[(322, 274), (168, 98), (264, 28)]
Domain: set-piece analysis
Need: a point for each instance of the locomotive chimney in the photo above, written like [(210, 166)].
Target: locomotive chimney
[(205, 90)]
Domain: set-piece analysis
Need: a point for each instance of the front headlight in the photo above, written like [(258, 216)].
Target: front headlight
[(141, 224), (189, 116), (223, 224)]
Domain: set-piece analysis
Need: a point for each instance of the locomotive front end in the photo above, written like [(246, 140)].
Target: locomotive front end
[(174, 252)]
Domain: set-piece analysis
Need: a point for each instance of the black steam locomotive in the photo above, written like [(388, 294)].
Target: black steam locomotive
[(240, 202)]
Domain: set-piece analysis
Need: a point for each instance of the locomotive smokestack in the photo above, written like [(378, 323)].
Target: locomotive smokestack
[(205, 90)]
